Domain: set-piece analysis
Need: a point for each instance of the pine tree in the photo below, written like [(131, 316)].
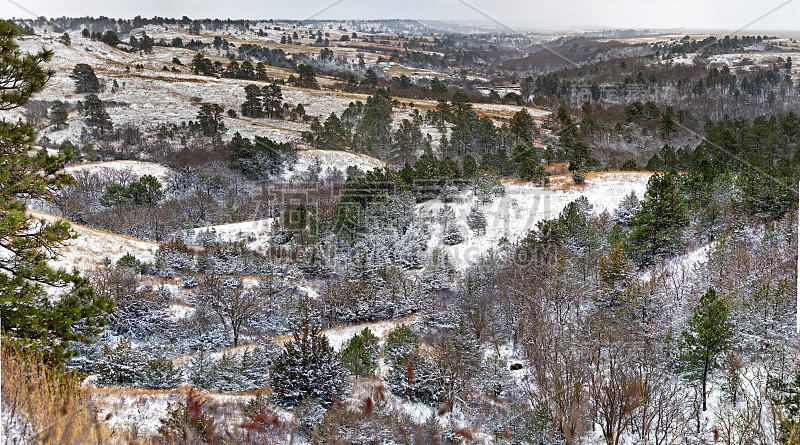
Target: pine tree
[(96, 115), (85, 79), (160, 373), (273, 98), (410, 374), (411, 247), (476, 221), (201, 369), (451, 233), (657, 228), (439, 271), (707, 335), (461, 101), (210, 120), (370, 78), (522, 125), (360, 354), (122, 364), (307, 368), (58, 114), (306, 77), (616, 274), (27, 315), (252, 105), (458, 360), (627, 209)]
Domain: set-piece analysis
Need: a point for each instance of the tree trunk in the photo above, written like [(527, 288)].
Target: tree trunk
[(705, 378)]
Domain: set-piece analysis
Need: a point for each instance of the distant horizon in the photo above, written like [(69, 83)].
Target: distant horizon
[(735, 16), (784, 33)]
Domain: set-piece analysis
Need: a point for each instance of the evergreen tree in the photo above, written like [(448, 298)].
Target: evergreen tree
[(58, 114), (451, 234), (439, 271), (147, 190), (408, 141), (707, 335), (334, 134), (410, 374), (531, 170), (370, 78), (360, 354), (121, 364), (110, 38), (438, 87), (201, 369), (252, 105), (85, 79), (617, 273), (210, 119), (458, 360), (96, 114), (657, 229), (307, 369), (306, 77), (476, 221), (29, 316), (374, 128), (522, 125), (257, 160), (461, 101), (273, 98), (202, 65), (627, 209), (411, 247)]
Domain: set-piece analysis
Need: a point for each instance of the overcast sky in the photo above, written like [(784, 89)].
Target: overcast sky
[(723, 15)]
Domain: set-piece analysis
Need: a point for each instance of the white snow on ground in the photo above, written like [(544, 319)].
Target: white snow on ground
[(133, 410), (338, 336), (88, 250), (150, 96), (745, 61), (697, 257), (180, 311), (332, 158), (512, 216), (508, 111), (255, 234), (15, 429), (136, 168)]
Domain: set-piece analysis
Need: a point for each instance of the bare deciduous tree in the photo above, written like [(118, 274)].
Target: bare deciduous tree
[(227, 297)]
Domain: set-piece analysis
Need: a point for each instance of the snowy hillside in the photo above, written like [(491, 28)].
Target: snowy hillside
[(255, 234), (135, 168), (88, 250), (324, 159), (512, 216)]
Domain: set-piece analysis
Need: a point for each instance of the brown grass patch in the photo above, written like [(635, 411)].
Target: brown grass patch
[(45, 215), (48, 406), (561, 168)]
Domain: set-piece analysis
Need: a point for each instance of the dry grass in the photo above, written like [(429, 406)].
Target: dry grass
[(45, 406), (557, 168), (50, 217), (564, 182)]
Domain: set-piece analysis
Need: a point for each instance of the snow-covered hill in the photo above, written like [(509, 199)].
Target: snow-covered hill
[(136, 168), (340, 160), (90, 247), (512, 216)]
